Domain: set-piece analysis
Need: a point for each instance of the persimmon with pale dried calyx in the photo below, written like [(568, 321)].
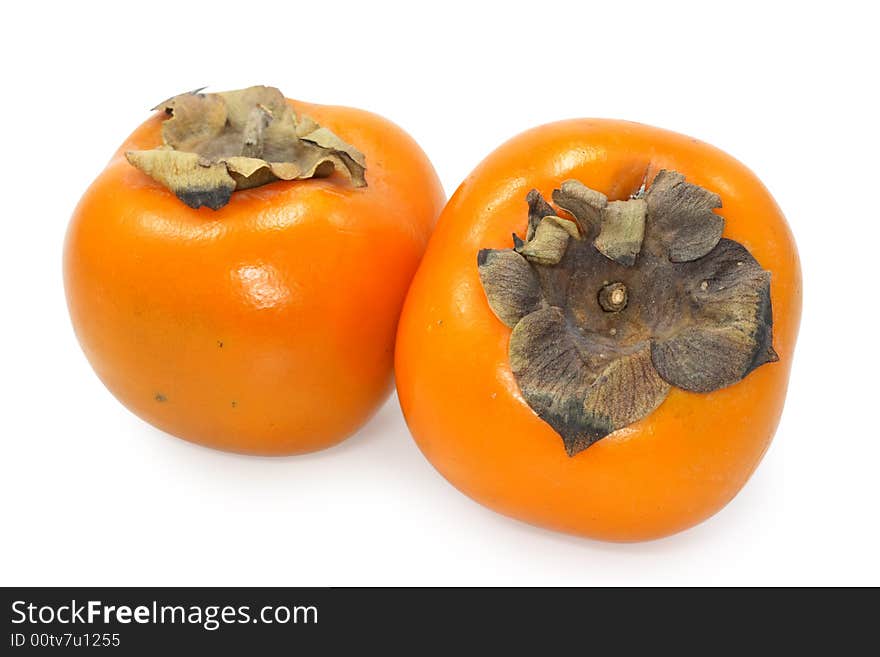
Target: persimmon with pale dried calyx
[(236, 273), (599, 337)]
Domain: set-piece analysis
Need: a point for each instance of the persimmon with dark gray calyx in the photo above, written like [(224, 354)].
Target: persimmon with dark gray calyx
[(236, 273), (599, 337)]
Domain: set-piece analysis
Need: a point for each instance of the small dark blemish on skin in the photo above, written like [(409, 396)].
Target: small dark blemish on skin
[(234, 403), (160, 397), (220, 343)]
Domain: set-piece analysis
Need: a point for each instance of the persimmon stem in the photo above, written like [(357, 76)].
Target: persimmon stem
[(613, 297)]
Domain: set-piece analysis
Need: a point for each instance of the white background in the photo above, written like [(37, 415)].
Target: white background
[(89, 494)]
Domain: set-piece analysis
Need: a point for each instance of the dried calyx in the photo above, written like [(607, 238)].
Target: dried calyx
[(214, 144), (613, 302)]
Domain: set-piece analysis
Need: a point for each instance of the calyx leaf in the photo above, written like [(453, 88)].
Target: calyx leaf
[(582, 203), (549, 241), (681, 216), (625, 392), (538, 209), (552, 375), (511, 286), (731, 332), (622, 231)]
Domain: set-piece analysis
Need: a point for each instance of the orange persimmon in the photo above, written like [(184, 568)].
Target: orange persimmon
[(613, 364), (265, 325)]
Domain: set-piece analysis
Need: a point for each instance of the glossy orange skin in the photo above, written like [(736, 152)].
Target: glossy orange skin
[(265, 327), (663, 474)]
